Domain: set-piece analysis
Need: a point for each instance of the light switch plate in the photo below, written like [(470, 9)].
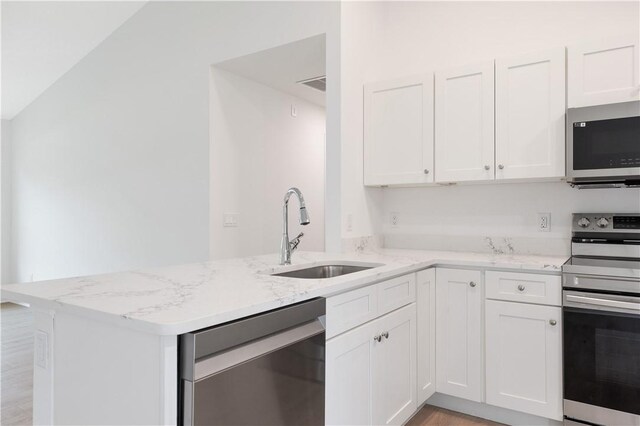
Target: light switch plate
[(230, 220)]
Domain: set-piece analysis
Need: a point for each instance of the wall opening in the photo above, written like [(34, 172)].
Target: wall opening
[(267, 134)]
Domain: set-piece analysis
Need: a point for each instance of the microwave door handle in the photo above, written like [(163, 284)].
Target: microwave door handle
[(596, 301)]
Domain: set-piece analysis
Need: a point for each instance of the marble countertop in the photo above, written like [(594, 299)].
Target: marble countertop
[(178, 299)]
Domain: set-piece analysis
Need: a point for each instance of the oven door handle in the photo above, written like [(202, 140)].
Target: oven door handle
[(597, 301)]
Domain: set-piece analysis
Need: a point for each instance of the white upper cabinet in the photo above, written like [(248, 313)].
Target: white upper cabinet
[(459, 333), (524, 357), (464, 134), (398, 131), (530, 111), (604, 71)]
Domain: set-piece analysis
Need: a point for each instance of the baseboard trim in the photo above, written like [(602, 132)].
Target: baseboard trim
[(489, 412)]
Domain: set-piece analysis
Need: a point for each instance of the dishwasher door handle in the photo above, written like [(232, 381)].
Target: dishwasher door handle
[(222, 361)]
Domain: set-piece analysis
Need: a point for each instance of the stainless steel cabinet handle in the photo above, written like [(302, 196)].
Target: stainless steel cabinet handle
[(385, 334), (472, 284), (520, 287), (487, 167), (426, 171), (553, 322), (501, 166), (377, 338)]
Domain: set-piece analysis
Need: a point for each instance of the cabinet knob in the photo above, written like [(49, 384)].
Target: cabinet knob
[(426, 171), (472, 284), (520, 287), (377, 338), (487, 167), (385, 334), (501, 166), (553, 322)]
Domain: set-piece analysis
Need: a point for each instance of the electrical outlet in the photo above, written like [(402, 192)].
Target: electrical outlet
[(544, 222), (42, 349), (294, 111), (395, 220)]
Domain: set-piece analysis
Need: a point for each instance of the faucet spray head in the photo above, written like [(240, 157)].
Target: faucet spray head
[(304, 216)]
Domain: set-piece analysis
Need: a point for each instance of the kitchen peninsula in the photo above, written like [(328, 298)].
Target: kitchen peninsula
[(114, 337)]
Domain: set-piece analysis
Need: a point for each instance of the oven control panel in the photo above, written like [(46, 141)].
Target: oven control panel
[(606, 222), (626, 222)]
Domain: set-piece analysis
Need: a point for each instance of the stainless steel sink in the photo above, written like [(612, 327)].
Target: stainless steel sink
[(325, 271)]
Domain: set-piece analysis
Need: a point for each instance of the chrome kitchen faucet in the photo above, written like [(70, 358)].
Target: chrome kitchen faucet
[(287, 247)]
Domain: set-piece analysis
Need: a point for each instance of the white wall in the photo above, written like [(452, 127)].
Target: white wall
[(5, 201), (396, 39), (111, 163), (258, 151)]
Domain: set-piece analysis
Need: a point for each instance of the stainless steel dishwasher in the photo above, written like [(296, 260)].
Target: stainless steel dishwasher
[(263, 370)]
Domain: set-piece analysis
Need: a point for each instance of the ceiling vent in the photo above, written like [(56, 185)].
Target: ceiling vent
[(318, 83)]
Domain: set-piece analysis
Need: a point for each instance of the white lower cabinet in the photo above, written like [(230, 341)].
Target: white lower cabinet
[(426, 328), (523, 357), (349, 377), (444, 335), (459, 333), (371, 372)]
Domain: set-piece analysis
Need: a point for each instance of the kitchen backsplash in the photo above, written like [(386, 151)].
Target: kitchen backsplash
[(480, 244)]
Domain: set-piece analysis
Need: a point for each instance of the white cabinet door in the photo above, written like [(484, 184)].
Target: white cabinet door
[(426, 328), (530, 111), (464, 141), (398, 131), (350, 377), (604, 71), (395, 368), (371, 372), (459, 333), (524, 357)]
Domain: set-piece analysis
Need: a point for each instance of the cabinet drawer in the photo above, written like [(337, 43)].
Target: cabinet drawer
[(351, 309), (348, 310), (396, 292), (523, 287)]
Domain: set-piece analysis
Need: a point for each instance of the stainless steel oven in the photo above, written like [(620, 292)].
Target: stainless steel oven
[(263, 370), (601, 321), (603, 145)]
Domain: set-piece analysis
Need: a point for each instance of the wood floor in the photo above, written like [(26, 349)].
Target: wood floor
[(16, 385), (16, 371), (434, 416)]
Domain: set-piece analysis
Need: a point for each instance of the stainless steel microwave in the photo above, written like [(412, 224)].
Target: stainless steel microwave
[(603, 145)]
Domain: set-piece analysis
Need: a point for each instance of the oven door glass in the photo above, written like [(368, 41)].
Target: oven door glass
[(606, 144), (602, 358)]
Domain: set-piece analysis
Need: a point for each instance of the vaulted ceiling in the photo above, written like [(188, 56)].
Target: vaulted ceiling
[(42, 40)]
